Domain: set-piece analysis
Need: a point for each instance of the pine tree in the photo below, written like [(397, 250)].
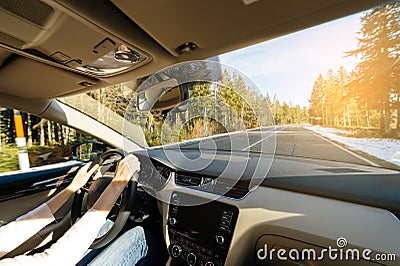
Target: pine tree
[(378, 51), (317, 101)]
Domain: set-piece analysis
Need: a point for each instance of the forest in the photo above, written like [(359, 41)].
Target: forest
[(237, 112), (368, 96), (47, 142)]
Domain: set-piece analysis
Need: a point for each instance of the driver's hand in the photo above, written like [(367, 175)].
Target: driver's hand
[(126, 168), (82, 176)]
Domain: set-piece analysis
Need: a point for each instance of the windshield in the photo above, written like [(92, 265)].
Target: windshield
[(329, 92)]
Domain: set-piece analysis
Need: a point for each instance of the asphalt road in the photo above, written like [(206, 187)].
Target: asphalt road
[(285, 140)]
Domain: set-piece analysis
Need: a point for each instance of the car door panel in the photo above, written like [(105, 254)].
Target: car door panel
[(11, 209), (23, 191)]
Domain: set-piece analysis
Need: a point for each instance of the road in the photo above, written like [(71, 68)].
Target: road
[(289, 140)]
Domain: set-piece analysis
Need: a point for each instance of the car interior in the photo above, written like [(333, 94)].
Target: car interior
[(50, 49)]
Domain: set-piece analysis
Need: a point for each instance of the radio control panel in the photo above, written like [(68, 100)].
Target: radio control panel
[(200, 234)]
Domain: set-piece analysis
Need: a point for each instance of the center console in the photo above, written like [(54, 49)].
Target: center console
[(201, 234)]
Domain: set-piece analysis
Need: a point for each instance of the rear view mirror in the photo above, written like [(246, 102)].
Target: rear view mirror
[(87, 151), (162, 96)]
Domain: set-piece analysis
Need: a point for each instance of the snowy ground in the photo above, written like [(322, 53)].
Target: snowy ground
[(386, 149)]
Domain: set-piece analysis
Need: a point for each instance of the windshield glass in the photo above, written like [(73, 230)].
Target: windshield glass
[(332, 91)]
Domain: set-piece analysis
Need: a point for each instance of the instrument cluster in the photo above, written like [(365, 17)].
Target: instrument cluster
[(153, 174)]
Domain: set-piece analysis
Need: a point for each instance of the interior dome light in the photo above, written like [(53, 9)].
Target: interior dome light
[(114, 61)]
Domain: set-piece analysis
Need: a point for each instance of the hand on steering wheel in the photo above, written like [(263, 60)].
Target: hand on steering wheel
[(109, 191), (82, 176), (126, 168)]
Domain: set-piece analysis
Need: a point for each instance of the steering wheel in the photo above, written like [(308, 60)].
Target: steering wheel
[(88, 194)]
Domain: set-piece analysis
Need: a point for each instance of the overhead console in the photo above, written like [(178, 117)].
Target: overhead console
[(44, 39), (201, 234), (51, 34)]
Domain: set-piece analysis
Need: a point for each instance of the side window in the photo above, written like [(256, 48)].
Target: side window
[(28, 141)]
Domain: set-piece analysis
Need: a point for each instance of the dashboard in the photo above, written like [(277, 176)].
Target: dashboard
[(296, 206), (217, 178)]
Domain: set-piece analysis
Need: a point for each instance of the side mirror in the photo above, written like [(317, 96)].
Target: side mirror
[(162, 96), (88, 150)]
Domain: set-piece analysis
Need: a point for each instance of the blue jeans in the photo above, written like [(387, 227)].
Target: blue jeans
[(127, 249)]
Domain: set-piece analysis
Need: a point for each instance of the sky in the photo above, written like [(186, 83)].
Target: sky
[(289, 65)]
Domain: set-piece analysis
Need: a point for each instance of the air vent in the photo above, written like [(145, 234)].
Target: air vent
[(220, 187), (239, 190), (34, 11), (186, 180)]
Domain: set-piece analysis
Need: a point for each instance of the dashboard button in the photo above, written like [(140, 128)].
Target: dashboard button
[(224, 228), (172, 221), (176, 251), (191, 259), (203, 250), (227, 213), (227, 218), (225, 223), (220, 239), (174, 209)]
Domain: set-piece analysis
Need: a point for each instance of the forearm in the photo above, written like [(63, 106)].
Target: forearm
[(110, 195), (85, 229), (60, 199), (69, 249), (80, 180), (126, 168), (17, 232), (82, 234)]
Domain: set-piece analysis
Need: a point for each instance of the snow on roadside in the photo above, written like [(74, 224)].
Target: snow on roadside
[(385, 149)]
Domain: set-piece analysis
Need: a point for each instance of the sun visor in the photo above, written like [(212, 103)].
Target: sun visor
[(21, 77)]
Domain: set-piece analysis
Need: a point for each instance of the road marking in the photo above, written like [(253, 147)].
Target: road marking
[(255, 143), (211, 137), (344, 149), (273, 132)]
